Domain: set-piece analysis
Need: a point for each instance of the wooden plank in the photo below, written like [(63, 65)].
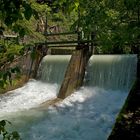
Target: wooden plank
[(62, 46), (70, 42), (75, 73), (10, 36), (65, 33)]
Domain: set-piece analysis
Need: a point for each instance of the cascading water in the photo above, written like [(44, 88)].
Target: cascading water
[(89, 113), (52, 68), (35, 92), (112, 71)]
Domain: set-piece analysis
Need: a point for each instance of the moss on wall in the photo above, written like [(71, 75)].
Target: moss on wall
[(16, 83)]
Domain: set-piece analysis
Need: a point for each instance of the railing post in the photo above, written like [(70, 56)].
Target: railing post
[(138, 67), (92, 49)]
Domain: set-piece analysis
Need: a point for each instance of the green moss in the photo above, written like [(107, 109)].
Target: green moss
[(16, 83)]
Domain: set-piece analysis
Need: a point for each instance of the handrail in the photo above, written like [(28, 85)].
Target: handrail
[(59, 46), (64, 33), (70, 42)]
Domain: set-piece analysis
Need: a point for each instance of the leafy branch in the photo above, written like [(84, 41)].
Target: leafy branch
[(8, 135)]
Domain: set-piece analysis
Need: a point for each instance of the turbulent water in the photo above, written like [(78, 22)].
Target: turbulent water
[(52, 68), (88, 114), (29, 96), (35, 92), (112, 71)]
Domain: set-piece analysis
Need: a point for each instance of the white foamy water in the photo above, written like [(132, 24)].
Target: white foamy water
[(29, 96), (88, 114), (35, 92)]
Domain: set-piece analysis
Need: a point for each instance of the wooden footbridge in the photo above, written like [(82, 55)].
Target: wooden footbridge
[(78, 35)]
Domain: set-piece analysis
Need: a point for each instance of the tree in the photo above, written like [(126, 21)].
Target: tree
[(115, 23), (8, 135), (13, 10), (19, 18)]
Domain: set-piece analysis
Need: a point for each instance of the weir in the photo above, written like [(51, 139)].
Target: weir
[(114, 72), (111, 71), (35, 92), (52, 68), (89, 113), (105, 71)]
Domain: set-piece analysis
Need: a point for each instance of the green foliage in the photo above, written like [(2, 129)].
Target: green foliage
[(8, 135), (33, 54), (114, 22), (23, 18), (8, 52), (6, 76), (13, 10)]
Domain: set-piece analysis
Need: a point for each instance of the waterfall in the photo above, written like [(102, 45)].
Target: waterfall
[(88, 114), (116, 72), (52, 68), (35, 92)]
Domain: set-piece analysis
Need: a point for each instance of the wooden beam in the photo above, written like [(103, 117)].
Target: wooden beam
[(67, 46), (65, 33), (70, 42), (75, 73), (10, 36)]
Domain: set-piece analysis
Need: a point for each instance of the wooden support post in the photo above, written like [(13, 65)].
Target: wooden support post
[(93, 48), (92, 45), (138, 68), (75, 72), (40, 52)]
